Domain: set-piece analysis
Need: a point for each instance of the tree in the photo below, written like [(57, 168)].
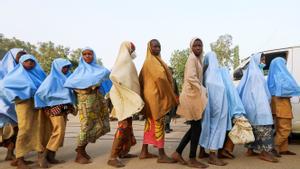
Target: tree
[(48, 52), (236, 57), (227, 55), (99, 61), (7, 44), (74, 57), (45, 52), (178, 60), (75, 54)]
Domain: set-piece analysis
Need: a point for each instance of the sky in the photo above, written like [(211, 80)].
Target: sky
[(255, 25)]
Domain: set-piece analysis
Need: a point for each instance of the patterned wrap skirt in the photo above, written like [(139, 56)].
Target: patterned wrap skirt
[(93, 116)]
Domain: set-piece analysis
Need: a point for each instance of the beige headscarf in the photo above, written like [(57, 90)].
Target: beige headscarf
[(156, 86), (125, 92), (193, 97)]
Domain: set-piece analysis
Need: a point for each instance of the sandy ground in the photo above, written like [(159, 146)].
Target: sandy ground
[(100, 152)]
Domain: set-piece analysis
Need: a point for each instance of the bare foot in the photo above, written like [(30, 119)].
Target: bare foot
[(250, 153), (128, 156), (216, 161), (225, 154), (115, 163), (287, 153), (15, 162), (267, 157), (275, 153), (177, 157), (21, 164), (202, 153), (193, 163), (147, 155), (165, 159)]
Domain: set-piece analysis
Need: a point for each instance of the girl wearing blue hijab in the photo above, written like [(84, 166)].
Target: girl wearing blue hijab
[(20, 86), (214, 121), (235, 110), (93, 112), (282, 87), (8, 116), (255, 96), (56, 101)]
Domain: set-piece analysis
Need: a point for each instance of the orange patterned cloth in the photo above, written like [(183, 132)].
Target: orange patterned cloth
[(154, 132), (124, 138)]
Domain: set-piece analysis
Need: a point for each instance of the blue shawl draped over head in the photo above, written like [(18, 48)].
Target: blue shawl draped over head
[(7, 64), (9, 60), (52, 92), (280, 81), (235, 105), (21, 83), (255, 94), (214, 122), (87, 74)]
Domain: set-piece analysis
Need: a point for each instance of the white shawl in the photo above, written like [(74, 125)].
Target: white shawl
[(125, 92)]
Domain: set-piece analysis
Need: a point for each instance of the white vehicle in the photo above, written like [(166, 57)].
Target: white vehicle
[(292, 54)]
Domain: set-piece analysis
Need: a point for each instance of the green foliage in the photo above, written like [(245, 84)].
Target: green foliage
[(99, 61), (74, 57), (227, 55), (45, 52), (236, 57), (178, 60), (6, 44), (48, 52)]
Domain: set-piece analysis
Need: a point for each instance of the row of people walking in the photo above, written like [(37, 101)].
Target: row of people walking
[(34, 107)]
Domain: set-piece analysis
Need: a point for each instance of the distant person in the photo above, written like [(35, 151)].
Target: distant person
[(172, 113), (19, 87), (157, 92), (193, 100), (255, 95), (57, 102), (8, 116), (125, 96), (282, 86), (92, 109), (215, 117)]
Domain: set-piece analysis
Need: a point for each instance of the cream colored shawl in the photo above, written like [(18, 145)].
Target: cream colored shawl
[(193, 97), (125, 92)]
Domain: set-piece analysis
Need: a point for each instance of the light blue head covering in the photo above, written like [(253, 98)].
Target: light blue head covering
[(8, 62), (87, 74), (7, 108), (214, 121), (280, 82), (235, 105), (255, 94), (52, 92), (21, 83)]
